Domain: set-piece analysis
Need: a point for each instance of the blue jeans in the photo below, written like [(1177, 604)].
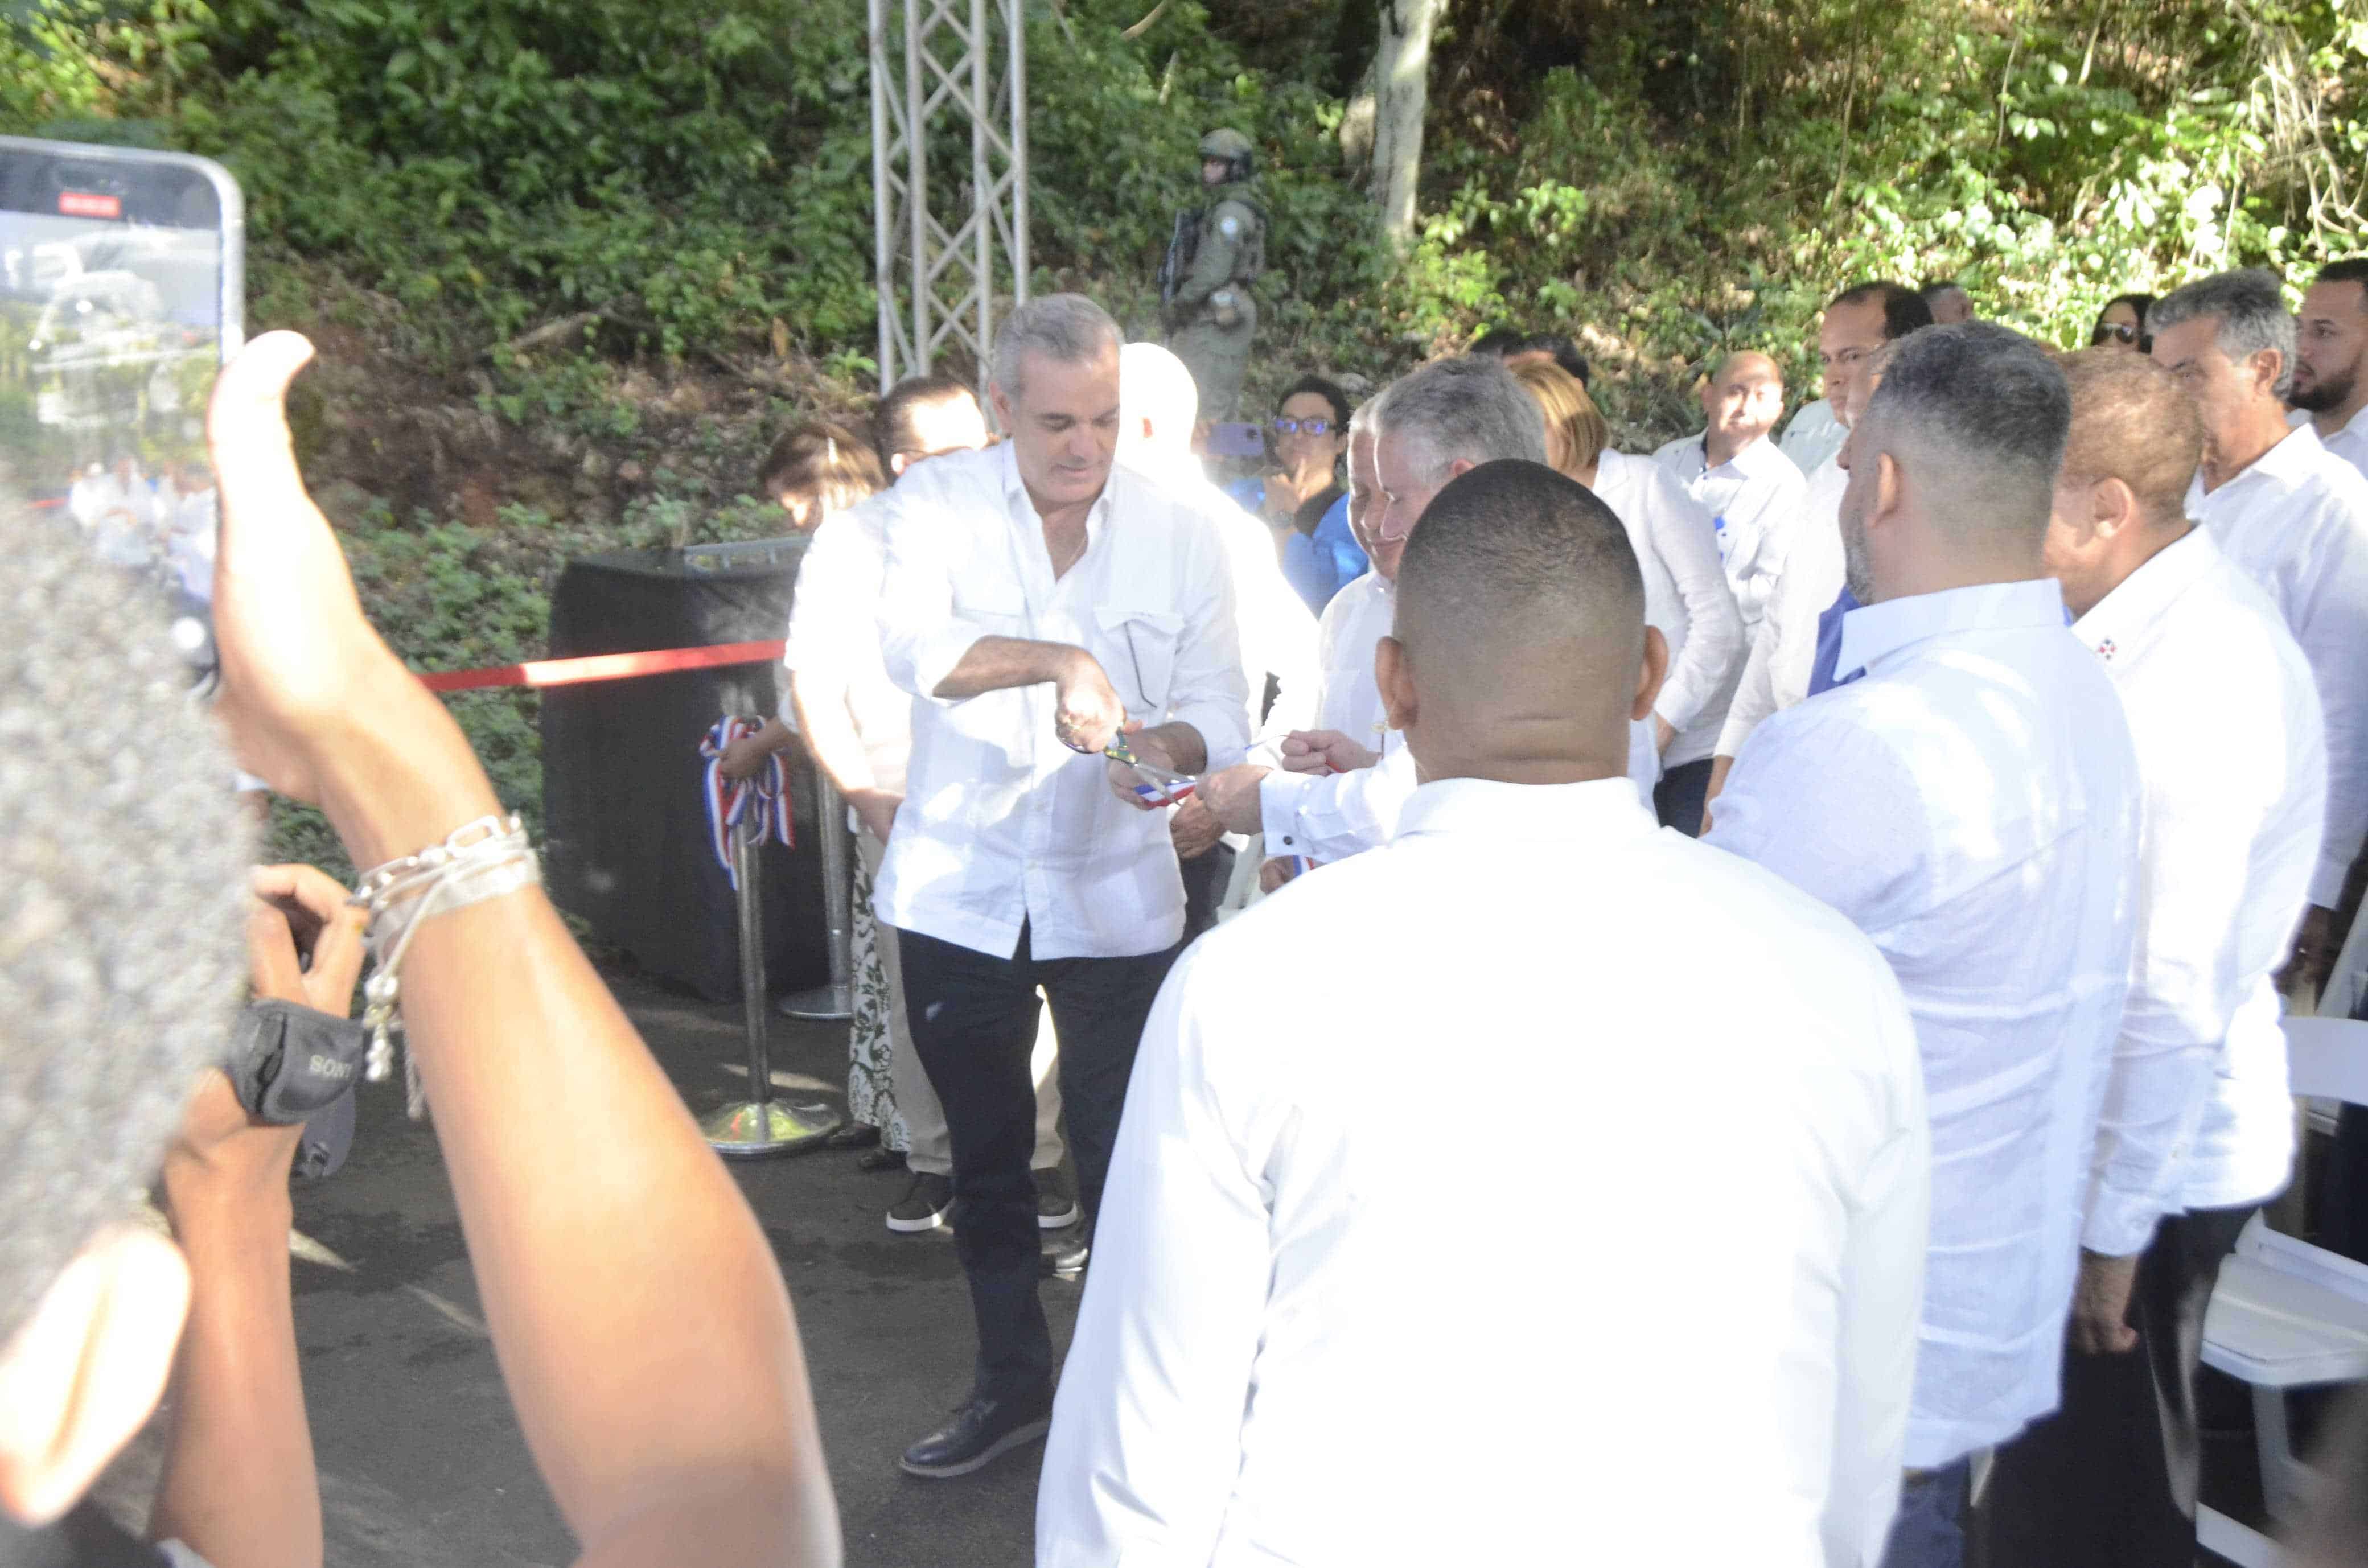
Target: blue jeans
[(1930, 1532)]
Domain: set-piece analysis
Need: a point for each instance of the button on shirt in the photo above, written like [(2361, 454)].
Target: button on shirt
[(1272, 1364), (1785, 649), (1814, 436), (2233, 764), (2296, 522), (1002, 825), (1685, 595), (835, 635), (1752, 499), (1972, 804)]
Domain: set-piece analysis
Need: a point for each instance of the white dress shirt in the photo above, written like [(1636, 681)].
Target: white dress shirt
[(2350, 443), (1785, 649), (1267, 1371), (1685, 595), (1752, 499), (835, 634), (2296, 522), (1002, 826), (2233, 764), (1278, 629), (1331, 816), (1972, 803), (1814, 436)]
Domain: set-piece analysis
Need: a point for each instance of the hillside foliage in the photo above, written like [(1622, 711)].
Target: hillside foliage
[(685, 190)]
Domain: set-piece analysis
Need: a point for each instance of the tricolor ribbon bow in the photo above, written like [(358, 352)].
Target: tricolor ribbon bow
[(765, 791)]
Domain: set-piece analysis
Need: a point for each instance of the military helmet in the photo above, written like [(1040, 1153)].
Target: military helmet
[(1232, 146)]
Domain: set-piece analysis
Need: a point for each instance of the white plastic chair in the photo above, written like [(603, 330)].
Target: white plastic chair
[(2287, 1315)]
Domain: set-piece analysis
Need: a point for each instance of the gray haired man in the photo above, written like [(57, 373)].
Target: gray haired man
[(1039, 603), (2294, 516), (1338, 794)]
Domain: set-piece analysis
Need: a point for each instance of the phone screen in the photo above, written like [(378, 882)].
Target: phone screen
[(121, 292), (1237, 440)]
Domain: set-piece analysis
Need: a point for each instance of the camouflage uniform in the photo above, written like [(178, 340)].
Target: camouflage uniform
[(1205, 286)]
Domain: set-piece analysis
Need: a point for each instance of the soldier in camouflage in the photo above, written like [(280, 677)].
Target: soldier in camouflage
[(1204, 285)]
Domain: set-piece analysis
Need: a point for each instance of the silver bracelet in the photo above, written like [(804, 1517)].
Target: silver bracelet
[(478, 860)]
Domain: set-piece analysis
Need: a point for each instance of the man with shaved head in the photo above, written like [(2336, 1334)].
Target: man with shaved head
[(1266, 1369), (2198, 1128), (1734, 472), (1967, 792)]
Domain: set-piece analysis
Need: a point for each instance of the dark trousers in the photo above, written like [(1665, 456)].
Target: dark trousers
[(973, 1022), (2110, 1479), (2343, 1210), (1929, 1531), (1205, 878), (1678, 797)]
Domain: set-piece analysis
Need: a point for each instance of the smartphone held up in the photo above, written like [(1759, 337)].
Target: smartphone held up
[(122, 291)]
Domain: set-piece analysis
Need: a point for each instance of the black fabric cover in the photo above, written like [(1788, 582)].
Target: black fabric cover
[(627, 840)]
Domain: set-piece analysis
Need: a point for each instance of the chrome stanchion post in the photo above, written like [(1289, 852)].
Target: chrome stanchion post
[(835, 1000), (762, 1124)]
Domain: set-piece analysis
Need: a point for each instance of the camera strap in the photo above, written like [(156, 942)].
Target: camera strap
[(287, 1060)]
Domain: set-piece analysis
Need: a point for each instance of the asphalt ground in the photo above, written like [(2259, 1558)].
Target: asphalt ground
[(421, 1460)]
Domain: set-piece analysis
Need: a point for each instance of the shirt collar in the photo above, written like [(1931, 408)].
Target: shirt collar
[(1756, 460), (2119, 623), (2285, 465), (1874, 632), (1019, 503), (1601, 811)]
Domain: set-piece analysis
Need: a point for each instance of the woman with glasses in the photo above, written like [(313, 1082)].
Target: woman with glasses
[(1303, 500), (2122, 323)]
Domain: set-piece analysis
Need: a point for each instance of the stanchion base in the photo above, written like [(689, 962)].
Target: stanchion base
[(754, 1128), (827, 1003)]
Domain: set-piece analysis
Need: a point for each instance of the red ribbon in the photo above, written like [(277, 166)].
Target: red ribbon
[(604, 666)]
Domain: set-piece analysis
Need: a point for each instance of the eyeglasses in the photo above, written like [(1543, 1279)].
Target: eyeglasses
[(2112, 332), (1304, 426)]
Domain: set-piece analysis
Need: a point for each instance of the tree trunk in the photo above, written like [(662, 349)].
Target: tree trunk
[(1402, 91)]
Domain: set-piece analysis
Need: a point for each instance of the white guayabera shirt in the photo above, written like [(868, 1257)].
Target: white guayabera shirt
[(1685, 595), (2296, 522), (1002, 826), (2233, 761), (1784, 651), (1271, 1365), (1972, 804), (1814, 436), (1753, 500)]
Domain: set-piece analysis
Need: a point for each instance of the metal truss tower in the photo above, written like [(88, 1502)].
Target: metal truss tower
[(947, 236)]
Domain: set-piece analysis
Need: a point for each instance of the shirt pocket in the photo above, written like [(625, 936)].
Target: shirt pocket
[(1137, 650), (998, 610)]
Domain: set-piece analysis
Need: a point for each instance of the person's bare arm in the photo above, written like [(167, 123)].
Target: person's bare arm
[(828, 725), (635, 1304), (239, 1486), (1090, 710)]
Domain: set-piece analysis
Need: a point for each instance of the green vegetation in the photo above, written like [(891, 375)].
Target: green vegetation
[(571, 263)]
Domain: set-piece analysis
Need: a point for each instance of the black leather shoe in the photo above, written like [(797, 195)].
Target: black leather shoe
[(854, 1135), (981, 1432), (1064, 1255)]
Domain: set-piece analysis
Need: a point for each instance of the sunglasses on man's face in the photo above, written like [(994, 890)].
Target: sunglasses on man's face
[(2112, 332), (1287, 426)]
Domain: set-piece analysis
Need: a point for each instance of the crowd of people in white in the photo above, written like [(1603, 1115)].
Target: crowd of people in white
[(2016, 696)]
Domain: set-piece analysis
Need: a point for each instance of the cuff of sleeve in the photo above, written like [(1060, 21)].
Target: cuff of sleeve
[(2327, 881), (931, 657), (2119, 1224), (1279, 799), (1223, 732)]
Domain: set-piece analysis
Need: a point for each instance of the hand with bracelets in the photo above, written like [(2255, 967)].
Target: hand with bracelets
[(644, 1331)]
